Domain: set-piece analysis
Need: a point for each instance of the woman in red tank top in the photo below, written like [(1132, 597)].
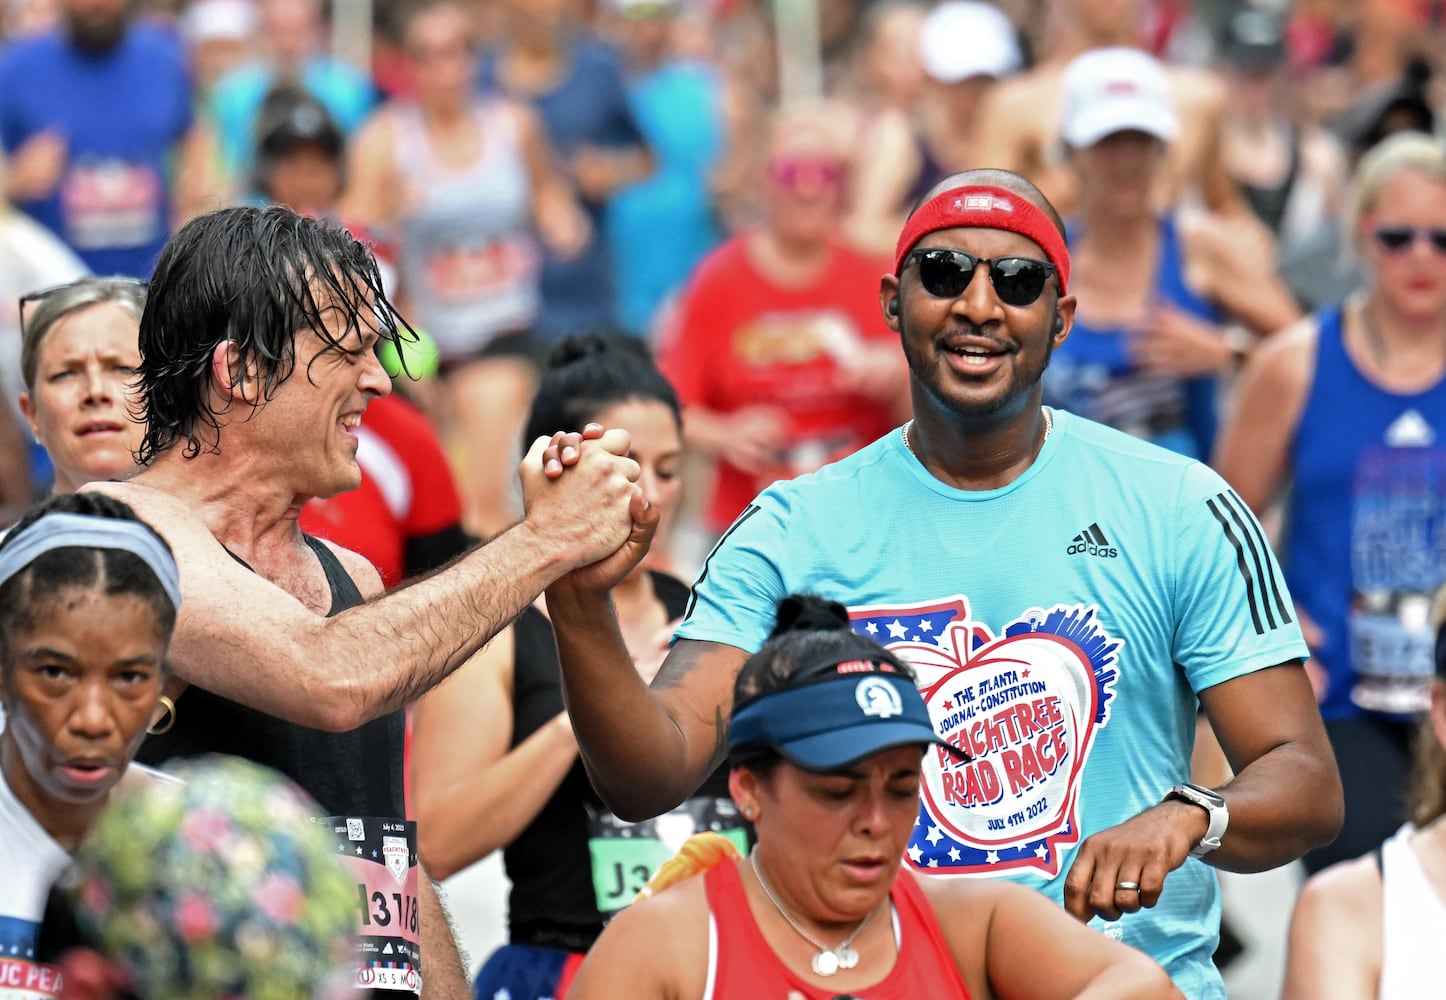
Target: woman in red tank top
[(826, 744)]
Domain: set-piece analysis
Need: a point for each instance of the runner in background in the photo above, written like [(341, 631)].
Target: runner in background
[(1020, 130), (467, 187), (1347, 411), (779, 356), (78, 358)]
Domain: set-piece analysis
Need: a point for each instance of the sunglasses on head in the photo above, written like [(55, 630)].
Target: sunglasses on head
[(34, 298), (1395, 239), (944, 273)]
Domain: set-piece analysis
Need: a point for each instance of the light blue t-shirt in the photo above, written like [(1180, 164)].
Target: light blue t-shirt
[(1060, 626)]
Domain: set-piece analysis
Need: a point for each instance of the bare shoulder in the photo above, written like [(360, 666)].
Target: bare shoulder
[(1289, 356), (174, 518), (627, 953), (359, 568), (1349, 891), (1196, 90)]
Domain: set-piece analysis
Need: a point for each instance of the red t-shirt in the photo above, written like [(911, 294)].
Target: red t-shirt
[(406, 492), (745, 966), (739, 340)]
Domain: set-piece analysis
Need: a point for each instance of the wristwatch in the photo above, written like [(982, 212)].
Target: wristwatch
[(1209, 800)]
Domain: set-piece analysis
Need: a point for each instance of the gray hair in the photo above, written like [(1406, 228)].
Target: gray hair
[(54, 305)]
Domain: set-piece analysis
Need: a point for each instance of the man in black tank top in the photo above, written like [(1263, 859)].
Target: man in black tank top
[(258, 365)]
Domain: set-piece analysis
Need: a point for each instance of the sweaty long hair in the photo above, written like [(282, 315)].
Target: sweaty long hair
[(255, 277)]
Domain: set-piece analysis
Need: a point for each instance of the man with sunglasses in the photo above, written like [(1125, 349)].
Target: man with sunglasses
[(1066, 594)]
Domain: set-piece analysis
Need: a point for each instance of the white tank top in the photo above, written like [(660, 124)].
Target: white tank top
[(469, 263), (1413, 924)]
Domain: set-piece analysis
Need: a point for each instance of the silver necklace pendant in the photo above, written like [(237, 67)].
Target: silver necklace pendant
[(826, 963), (847, 957)]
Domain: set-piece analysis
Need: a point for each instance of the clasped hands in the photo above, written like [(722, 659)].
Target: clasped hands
[(581, 489)]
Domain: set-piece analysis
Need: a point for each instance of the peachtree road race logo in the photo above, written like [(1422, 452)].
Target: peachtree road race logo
[(1025, 706)]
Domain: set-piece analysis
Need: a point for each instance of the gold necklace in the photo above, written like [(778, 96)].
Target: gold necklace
[(1048, 426)]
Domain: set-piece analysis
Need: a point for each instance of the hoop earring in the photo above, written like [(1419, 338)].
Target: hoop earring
[(170, 707)]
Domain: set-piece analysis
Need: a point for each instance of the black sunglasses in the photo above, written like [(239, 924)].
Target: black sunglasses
[(945, 273), (40, 296), (1394, 239)]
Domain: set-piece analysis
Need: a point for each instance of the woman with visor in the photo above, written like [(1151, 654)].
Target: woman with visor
[(826, 746)]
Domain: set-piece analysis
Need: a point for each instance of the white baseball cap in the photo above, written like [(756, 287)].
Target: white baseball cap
[(961, 38), (1116, 90)]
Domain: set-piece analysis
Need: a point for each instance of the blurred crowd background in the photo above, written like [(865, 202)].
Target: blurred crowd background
[(721, 182)]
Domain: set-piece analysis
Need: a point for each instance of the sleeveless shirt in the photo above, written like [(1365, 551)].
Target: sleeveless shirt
[(1094, 375), (1366, 522), (357, 773), (742, 966), (469, 261), (1413, 923)]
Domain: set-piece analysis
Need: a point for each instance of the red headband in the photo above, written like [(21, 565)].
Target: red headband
[(981, 207)]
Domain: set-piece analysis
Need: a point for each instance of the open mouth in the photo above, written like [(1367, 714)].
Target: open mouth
[(87, 773), (96, 428)]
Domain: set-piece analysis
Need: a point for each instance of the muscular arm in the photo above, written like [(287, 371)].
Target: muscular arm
[(645, 750), (1286, 795), (244, 638), (472, 792)]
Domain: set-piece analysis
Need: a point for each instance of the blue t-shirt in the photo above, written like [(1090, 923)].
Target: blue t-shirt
[(660, 228), (589, 106), (1060, 626), (1365, 541), (1094, 375), (121, 114)]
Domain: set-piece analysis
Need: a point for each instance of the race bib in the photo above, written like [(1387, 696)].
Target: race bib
[(625, 855), (111, 204), (1393, 648), (458, 275), (381, 855)]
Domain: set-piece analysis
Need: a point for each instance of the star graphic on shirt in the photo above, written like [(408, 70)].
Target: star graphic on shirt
[(926, 626), (896, 629), (916, 853), (933, 862), (934, 836), (954, 854), (502, 994), (992, 857), (948, 706), (1041, 852), (872, 628)]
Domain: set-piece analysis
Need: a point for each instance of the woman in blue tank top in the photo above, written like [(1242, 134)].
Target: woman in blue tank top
[(1157, 294), (1351, 405)]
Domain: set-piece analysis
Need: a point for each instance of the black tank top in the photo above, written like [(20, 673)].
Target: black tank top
[(553, 902), (356, 773)]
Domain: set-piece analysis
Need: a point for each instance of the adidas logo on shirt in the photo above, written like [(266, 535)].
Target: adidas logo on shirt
[(1092, 542), (1410, 430)]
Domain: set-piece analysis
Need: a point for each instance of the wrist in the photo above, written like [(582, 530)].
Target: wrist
[(1208, 812), (1240, 342)]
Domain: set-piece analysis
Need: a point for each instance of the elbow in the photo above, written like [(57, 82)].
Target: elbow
[(335, 707), (1329, 814), (435, 850)]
